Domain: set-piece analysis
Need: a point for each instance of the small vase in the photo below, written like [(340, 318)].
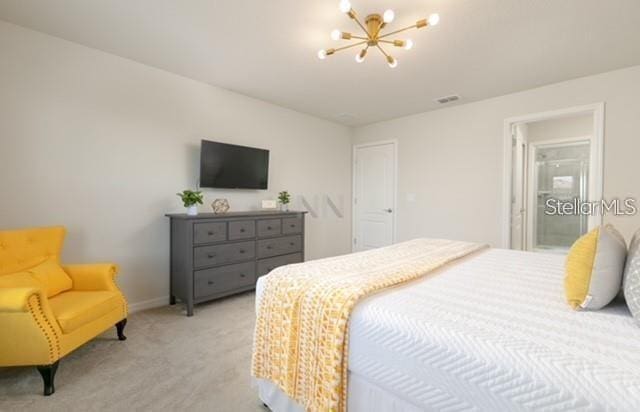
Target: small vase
[(192, 210), (284, 207)]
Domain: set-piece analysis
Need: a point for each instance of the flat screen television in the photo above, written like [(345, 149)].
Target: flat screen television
[(229, 166)]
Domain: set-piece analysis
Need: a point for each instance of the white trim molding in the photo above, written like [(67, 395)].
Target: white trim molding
[(149, 304), (596, 182)]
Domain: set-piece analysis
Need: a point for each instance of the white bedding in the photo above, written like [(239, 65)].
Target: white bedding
[(491, 332)]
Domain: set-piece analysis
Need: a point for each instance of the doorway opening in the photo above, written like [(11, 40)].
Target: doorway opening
[(551, 158)]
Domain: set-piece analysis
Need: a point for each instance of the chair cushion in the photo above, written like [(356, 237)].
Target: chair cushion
[(594, 268), (52, 277), (74, 309)]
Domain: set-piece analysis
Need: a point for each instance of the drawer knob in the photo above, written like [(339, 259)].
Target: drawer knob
[(211, 255), (269, 269), (292, 225), (210, 282), (242, 275), (210, 233), (241, 251), (291, 244), (269, 228), (269, 247), (241, 230)]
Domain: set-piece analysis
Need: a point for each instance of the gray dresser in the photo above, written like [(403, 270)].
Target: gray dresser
[(218, 255)]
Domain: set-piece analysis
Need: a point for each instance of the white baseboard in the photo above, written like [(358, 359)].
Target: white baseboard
[(148, 304)]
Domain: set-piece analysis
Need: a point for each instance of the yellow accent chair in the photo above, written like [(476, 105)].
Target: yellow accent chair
[(48, 310)]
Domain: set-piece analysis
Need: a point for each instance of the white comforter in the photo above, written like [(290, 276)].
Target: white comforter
[(493, 333)]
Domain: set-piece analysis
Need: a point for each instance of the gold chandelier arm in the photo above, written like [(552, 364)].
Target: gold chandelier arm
[(397, 43), (359, 37), (353, 15), (413, 26), (382, 50), (360, 43)]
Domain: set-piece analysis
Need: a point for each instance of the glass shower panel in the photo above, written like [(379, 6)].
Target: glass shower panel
[(561, 174)]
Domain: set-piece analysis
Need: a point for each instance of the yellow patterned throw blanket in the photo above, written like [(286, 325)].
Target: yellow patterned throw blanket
[(301, 341)]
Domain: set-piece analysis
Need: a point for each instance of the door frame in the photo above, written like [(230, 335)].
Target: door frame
[(597, 110), (516, 132), (533, 179), (394, 197)]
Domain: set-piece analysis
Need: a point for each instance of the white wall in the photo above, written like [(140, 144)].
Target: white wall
[(101, 145), (562, 128), (452, 158)]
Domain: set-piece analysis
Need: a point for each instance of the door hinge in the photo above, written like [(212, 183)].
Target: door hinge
[(355, 200), (355, 241)]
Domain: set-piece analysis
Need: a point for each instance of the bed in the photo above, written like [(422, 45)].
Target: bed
[(489, 332)]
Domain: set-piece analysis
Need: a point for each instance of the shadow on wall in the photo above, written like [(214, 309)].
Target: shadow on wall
[(322, 206), (193, 151), (151, 258)]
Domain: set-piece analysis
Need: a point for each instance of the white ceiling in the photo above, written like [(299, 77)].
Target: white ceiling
[(267, 49)]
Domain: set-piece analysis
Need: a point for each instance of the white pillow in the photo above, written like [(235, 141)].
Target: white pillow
[(631, 280)]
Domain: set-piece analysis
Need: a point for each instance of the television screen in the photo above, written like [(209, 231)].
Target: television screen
[(228, 166)]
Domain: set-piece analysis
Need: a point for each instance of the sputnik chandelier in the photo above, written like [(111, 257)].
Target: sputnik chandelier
[(372, 27)]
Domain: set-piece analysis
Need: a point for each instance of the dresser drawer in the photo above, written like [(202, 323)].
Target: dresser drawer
[(279, 246), (242, 229), (209, 232), (269, 227), (221, 279), (291, 225), (267, 265), (221, 254)]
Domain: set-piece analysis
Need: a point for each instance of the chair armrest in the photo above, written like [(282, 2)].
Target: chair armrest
[(98, 276), (16, 300), (29, 332)]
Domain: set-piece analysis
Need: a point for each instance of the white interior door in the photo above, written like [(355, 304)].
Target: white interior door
[(374, 200)]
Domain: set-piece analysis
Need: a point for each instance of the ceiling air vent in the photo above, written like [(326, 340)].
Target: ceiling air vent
[(448, 99)]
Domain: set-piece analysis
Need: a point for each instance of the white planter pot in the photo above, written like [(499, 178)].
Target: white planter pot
[(192, 210)]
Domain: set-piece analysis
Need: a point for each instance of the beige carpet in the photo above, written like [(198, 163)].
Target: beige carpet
[(169, 362)]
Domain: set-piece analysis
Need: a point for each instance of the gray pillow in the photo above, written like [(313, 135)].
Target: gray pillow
[(631, 279)]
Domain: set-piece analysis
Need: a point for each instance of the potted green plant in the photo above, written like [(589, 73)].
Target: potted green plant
[(284, 198), (190, 199)]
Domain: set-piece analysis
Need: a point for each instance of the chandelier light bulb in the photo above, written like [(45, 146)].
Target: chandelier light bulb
[(392, 62), (388, 16), (360, 56), (345, 6), (336, 34), (322, 54), (434, 19), (408, 44)]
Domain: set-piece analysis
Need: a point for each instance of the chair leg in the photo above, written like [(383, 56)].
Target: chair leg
[(48, 373), (120, 328)]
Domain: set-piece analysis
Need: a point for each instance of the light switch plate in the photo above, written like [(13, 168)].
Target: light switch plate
[(269, 204)]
